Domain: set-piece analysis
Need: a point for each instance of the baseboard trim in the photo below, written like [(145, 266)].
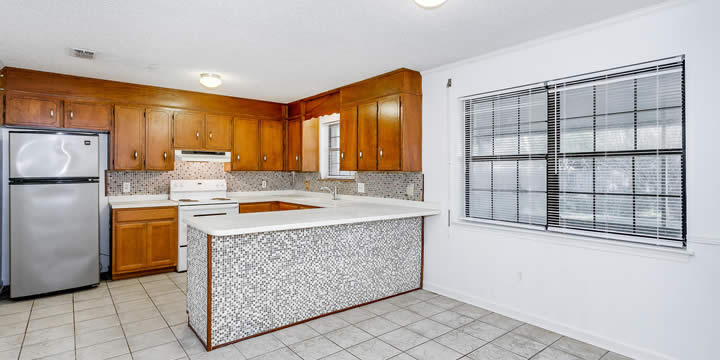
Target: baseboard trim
[(582, 335)]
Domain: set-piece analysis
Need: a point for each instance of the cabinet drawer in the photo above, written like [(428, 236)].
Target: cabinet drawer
[(145, 214), (256, 207)]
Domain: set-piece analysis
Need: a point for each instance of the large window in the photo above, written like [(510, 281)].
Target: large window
[(601, 154)]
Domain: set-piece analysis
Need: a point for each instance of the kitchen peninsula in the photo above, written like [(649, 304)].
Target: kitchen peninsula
[(249, 274)]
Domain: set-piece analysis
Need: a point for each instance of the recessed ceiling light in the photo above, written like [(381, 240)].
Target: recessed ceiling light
[(429, 4), (210, 80)]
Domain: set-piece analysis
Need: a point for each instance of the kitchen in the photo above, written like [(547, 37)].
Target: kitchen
[(270, 180)]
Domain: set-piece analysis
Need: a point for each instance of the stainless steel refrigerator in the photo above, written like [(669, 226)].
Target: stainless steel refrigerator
[(54, 211)]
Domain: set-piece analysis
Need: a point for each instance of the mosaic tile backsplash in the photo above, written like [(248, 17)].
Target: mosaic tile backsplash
[(377, 184), (263, 281)]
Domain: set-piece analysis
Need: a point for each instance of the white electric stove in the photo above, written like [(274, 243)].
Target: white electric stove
[(198, 198)]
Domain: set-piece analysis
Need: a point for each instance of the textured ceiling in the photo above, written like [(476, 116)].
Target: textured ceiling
[(278, 50)]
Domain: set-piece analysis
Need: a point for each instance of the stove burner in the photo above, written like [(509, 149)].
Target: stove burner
[(219, 198), (188, 200)]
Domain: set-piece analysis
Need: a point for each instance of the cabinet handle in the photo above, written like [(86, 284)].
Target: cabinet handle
[(342, 155), (52, 113), (297, 158), (197, 134), (361, 154), (165, 155), (135, 155), (211, 135), (237, 157), (71, 115), (264, 157), (380, 152)]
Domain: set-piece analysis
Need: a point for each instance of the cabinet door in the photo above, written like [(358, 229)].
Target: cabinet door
[(389, 140), (128, 138), (246, 144), (129, 247), (32, 110), (311, 145), (367, 136), (271, 145), (256, 207), (219, 132), (294, 134), (348, 139), (188, 130), (158, 147), (161, 243), (87, 115)]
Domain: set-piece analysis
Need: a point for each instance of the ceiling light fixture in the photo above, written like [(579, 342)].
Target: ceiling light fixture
[(210, 80), (429, 4)]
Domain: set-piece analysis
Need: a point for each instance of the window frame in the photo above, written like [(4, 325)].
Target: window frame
[(636, 238)]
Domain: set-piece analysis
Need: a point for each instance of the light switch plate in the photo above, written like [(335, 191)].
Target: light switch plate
[(361, 187), (126, 187), (264, 184), (410, 190)]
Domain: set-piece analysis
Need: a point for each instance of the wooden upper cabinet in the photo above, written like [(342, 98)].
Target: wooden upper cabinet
[(367, 130), (87, 115), (246, 144), (294, 134), (128, 138), (158, 146), (271, 145), (218, 132), (311, 145), (32, 111), (188, 130), (348, 139), (389, 138)]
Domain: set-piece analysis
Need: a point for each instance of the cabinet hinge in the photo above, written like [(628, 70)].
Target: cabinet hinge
[(449, 83)]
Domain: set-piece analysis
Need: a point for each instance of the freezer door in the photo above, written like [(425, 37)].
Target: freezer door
[(46, 155), (54, 237)]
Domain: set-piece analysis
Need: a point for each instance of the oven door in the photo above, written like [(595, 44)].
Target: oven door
[(190, 211)]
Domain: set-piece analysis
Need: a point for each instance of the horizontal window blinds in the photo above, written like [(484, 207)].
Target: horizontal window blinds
[(505, 156), (616, 161)]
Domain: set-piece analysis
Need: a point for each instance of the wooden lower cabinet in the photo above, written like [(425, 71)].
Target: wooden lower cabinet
[(144, 241), (272, 206)]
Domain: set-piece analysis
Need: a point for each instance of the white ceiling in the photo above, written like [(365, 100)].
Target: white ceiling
[(278, 50)]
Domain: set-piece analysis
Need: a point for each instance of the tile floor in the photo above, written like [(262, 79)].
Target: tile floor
[(145, 319)]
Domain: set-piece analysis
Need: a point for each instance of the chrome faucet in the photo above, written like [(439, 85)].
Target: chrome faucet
[(333, 192)]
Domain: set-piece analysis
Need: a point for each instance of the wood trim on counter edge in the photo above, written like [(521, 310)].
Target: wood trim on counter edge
[(208, 346)]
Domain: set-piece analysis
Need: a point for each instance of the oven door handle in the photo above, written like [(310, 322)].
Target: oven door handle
[(215, 214)]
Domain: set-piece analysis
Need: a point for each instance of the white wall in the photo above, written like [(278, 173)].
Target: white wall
[(641, 302)]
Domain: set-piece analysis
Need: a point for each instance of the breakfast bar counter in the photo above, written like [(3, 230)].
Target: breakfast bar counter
[(249, 274)]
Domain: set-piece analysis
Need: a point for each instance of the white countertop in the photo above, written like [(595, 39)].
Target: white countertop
[(139, 201), (347, 210)]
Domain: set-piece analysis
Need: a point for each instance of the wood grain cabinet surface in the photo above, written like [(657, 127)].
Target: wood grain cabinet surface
[(88, 115), (32, 111), (128, 138), (271, 145), (272, 206), (294, 151), (218, 132), (158, 144), (188, 130), (246, 144), (144, 241)]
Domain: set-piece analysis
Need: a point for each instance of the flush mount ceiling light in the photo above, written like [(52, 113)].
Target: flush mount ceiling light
[(429, 4), (210, 80)]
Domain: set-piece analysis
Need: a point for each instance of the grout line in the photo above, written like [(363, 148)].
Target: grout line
[(121, 325), (163, 317)]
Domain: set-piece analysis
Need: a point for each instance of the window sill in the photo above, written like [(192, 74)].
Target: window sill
[(534, 234)]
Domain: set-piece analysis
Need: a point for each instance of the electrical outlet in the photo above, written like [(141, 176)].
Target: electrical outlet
[(410, 190), (361, 187), (307, 185), (126, 187), (264, 184)]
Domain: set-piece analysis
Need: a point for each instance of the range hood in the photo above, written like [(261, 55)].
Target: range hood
[(207, 156)]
